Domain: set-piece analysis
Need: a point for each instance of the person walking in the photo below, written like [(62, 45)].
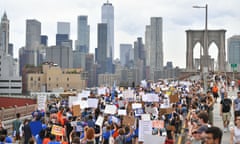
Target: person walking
[(225, 111), (236, 105), (16, 125)]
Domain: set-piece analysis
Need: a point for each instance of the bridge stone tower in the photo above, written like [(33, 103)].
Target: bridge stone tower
[(213, 36)]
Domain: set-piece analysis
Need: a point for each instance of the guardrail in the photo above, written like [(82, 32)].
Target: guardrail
[(10, 113)]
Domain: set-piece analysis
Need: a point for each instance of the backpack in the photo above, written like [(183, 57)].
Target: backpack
[(226, 105)]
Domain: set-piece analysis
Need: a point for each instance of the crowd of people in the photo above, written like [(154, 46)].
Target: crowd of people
[(192, 106)]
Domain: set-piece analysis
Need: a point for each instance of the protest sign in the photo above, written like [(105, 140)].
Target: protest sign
[(158, 124), (174, 98), (145, 127), (145, 117), (101, 91), (99, 121), (122, 112), (57, 130), (138, 112), (165, 111), (110, 109), (41, 101), (128, 94), (154, 139), (128, 120), (83, 104), (93, 102), (76, 110), (71, 100), (150, 97), (136, 105)]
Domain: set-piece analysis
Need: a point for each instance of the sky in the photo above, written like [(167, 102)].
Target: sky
[(131, 17)]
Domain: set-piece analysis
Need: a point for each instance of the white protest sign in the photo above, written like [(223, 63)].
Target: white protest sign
[(136, 105), (150, 97), (101, 91), (82, 95), (122, 112), (41, 101), (83, 104), (145, 117), (154, 139), (115, 119), (86, 92), (110, 109), (99, 121), (93, 102), (128, 94), (71, 100), (145, 127)]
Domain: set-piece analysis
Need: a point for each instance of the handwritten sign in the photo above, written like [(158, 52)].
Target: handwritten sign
[(93, 102), (76, 110), (41, 100), (122, 112), (57, 130), (145, 127), (110, 109), (128, 120), (136, 105), (158, 124), (99, 121)]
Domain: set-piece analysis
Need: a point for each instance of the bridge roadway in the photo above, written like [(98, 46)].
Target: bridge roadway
[(218, 119)]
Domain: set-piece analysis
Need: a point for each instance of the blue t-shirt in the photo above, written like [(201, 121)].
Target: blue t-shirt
[(106, 135), (36, 127)]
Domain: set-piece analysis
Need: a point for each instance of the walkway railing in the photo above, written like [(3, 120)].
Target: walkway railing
[(10, 113)]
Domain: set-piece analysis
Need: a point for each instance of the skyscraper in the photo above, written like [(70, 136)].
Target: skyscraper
[(63, 32), (33, 34), (102, 46), (154, 45), (124, 53), (4, 30), (83, 34), (108, 18), (10, 82), (234, 49)]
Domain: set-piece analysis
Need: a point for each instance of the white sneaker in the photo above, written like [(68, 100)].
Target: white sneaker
[(225, 130)]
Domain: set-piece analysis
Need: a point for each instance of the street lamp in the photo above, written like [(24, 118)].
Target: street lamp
[(205, 50)]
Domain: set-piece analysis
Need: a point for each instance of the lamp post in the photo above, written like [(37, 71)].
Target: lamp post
[(205, 50)]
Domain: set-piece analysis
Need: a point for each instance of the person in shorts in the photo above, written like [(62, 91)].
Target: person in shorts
[(225, 111)]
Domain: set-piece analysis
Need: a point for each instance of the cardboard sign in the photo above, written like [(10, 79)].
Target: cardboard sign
[(165, 111), (128, 120), (171, 128), (57, 130), (158, 89), (158, 124), (174, 98), (76, 110)]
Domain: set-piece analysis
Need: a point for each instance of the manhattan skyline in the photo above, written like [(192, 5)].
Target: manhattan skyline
[(131, 17)]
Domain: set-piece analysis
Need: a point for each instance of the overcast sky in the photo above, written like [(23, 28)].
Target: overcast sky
[(131, 17)]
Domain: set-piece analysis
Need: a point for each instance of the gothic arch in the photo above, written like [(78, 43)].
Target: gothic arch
[(216, 36)]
